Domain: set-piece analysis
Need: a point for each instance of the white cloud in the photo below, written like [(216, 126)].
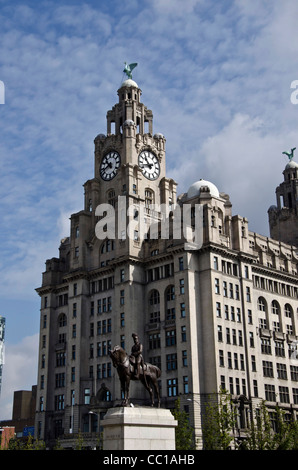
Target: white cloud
[(19, 371), (210, 71)]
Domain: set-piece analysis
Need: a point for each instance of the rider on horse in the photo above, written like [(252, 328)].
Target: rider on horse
[(136, 354)]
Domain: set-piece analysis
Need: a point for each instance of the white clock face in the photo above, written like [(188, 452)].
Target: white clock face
[(109, 165), (148, 162)]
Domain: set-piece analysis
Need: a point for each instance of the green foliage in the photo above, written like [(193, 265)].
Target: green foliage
[(184, 433), (26, 444), (260, 435), (219, 421)]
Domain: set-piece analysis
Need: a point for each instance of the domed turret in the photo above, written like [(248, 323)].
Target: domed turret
[(202, 186)]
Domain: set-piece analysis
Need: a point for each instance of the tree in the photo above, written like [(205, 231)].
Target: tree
[(261, 436), (184, 433), (219, 421)]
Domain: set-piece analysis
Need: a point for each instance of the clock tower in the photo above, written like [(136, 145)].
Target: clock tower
[(129, 162)]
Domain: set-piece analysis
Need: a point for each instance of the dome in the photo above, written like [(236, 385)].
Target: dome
[(128, 123), (129, 82), (195, 189), (291, 165)]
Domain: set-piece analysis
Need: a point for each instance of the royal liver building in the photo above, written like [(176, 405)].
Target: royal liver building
[(214, 304)]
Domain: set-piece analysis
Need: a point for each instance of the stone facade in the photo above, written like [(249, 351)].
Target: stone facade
[(283, 218), (215, 310)]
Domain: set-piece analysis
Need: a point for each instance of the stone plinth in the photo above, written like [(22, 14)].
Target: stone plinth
[(140, 428)]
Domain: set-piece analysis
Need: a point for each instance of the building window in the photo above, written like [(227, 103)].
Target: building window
[(185, 384), (265, 346), (221, 358), (219, 333), (62, 321), (154, 341), (183, 333), (294, 373), (255, 388), (225, 289), (172, 386), (261, 304), (171, 361), (275, 308), (122, 318), (121, 275), (170, 338), (295, 395), (279, 349), (281, 371), (122, 298), (182, 310), (87, 396), (170, 293), (59, 402), (181, 283), (267, 369), (184, 358), (288, 311), (181, 264), (217, 289), (149, 199), (284, 396)]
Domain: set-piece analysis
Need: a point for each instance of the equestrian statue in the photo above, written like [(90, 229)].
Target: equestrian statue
[(133, 367)]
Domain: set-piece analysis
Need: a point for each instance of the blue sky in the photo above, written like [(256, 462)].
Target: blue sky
[(217, 77)]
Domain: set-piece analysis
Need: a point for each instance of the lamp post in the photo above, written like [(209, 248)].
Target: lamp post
[(98, 424)]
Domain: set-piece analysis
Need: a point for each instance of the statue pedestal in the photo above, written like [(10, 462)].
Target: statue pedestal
[(140, 428)]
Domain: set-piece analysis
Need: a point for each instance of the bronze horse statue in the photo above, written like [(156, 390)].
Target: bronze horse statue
[(125, 368)]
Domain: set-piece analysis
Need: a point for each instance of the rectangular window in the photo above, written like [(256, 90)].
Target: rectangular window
[(87, 396), (185, 384), (172, 386), (122, 297), (184, 358), (170, 338), (182, 310), (181, 282), (171, 361)]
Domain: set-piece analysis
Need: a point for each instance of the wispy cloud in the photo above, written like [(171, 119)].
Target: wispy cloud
[(216, 75), (19, 371)]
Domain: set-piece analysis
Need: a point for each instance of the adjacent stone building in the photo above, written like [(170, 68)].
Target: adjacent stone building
[(214, 304), (283, 218)]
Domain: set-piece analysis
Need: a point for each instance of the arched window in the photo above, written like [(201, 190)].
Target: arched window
[(262, 305), (154, 297), (149, 198), (275, 309), (107, 246), (111, 197), (288, 311)]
